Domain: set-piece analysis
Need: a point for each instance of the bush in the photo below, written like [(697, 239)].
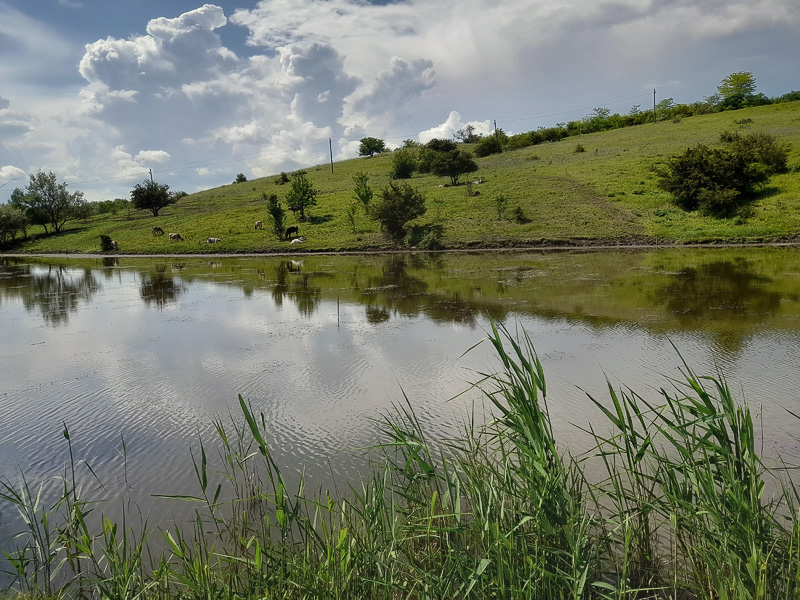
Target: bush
[(579, 148), (399, 203), (403, 164), (105, 243), (488, 146), (716, 181), (760, 148), (276, 214)]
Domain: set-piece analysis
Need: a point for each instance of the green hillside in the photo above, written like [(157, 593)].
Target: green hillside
[(607, 194)]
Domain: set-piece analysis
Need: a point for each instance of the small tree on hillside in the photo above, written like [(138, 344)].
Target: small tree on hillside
[(151, 196), (276, 214), (453, 164), (404, 163), (399, 203), (301, 195), (362, 192), (371, 146), (240, 178)]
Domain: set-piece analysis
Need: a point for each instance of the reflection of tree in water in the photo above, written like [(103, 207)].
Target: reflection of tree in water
[(160, 289), (394, 290), (55, 292), (291, 282), (726, 293)]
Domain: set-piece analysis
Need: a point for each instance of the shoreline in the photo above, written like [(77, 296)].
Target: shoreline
[(600, 246)]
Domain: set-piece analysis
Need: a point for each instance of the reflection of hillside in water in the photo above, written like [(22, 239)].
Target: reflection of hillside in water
[(55, 291), (395, 291), (727, 292)]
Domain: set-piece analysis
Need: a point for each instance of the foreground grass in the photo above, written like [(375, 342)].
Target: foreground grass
[(606, 194), (679, 510)]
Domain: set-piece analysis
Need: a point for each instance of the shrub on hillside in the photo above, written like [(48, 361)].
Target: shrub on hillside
[(404, 163), (715, 181), (399, 203)]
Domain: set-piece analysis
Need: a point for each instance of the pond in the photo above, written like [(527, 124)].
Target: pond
[(139, 356)]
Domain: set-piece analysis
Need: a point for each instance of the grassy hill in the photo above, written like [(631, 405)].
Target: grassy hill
[(606, 194)]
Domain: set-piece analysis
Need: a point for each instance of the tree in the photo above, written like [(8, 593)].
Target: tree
[(276, 214), (151, 196), (371, 146), (404, 163), (362, 192), (467, 134), (737, 84), (301, 195), (428, 152), (399, 203), (736, 90), (453, 164), (240, 178), (47, 202), (12, 221)]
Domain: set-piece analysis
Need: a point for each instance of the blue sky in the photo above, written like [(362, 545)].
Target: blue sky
[(101, 91)]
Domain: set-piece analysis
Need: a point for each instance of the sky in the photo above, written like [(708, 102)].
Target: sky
[(102, 92)]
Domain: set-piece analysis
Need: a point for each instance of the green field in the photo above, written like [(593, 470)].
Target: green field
[(607, 194)]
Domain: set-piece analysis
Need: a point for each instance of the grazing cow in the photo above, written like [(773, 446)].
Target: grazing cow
[(259, 225), (175, 237), (158, 231), (291, 230), (114, 245), (213, 240)]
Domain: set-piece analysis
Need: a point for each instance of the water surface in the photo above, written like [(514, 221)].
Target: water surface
[(138, 356)]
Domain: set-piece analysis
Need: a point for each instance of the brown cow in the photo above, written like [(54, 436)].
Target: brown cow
[(157, 230), (175, 236), (259, 225), (291, 230)]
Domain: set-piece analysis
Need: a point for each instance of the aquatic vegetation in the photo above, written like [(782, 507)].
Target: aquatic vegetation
[(670, 502)]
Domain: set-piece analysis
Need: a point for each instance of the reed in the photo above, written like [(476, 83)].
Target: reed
[(679, 510)]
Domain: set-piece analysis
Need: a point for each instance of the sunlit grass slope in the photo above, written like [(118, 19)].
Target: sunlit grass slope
[(606, 194)]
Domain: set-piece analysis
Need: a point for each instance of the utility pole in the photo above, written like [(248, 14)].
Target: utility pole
[(496, 138), (151, 176), (655, 116), (330, 145)]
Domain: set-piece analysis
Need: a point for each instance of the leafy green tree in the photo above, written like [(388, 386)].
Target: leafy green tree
[(276, 214), (240, 178), (399, 203), (738, 90), (371, 146), (47, 202), (404, 163), (301, 195), (453, 164), (430, 150), (362, 191), (152, 196), (12, 221), (737, 84)]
